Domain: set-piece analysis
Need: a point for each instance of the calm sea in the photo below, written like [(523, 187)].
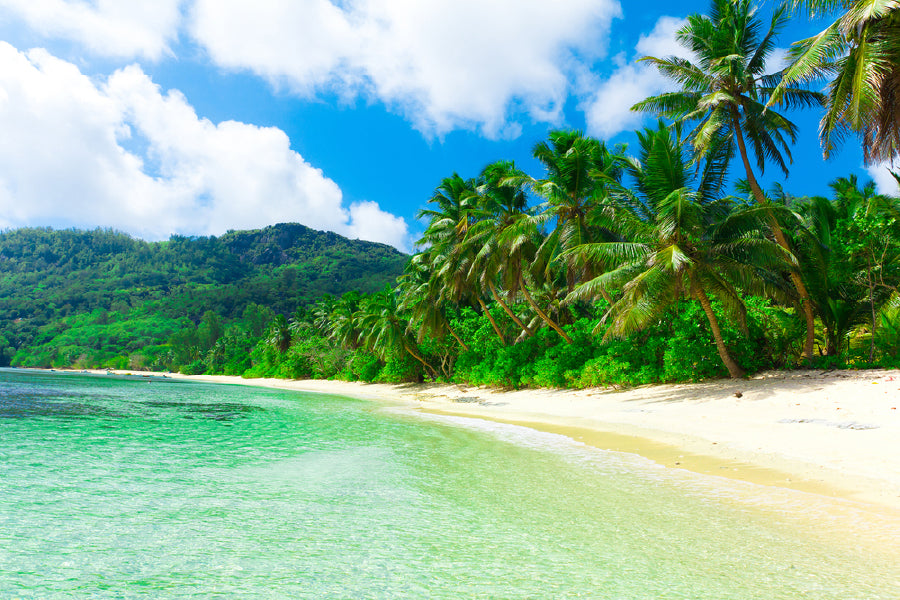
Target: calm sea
[(117, 487)]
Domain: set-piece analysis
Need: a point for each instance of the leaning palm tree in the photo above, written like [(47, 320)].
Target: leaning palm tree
[(681, 245), (455, 203), (860, 53), (507, 242), (725, 90), (579, 171), (421, 297), (385, 332), (501, 205)]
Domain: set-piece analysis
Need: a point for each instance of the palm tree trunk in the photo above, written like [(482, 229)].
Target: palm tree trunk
[(416, 356), (872, 308), (542, 314), (831, 343), (734, 369), (491, 319), (805, 302), (457, 338), (742, 148), (508, 310)]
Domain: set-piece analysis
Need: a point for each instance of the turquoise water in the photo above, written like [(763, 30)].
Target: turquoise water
[(128, 488)]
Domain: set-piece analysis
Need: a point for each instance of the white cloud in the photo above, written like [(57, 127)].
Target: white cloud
[(443, 64), (777, 61), (608, 112), (117, 28), (125, 155), (662, 42), (884, 181), (369, 222)]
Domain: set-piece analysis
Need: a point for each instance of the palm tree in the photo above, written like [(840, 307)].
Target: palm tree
[(509, 241), (851, 256), (421, 297), (726, 90), (680, 244), (860, 50), (501, 205), (280, 334), (456, 202), (579, 172), (321, 313), (342, 326), (385, 332)]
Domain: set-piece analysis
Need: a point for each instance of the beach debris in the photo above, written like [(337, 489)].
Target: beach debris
[(467, 400), (857, 426), (839, 424)]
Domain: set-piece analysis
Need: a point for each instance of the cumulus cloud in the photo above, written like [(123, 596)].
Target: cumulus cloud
[(106, 27), (661, 41), (608, 112), (444, 64), (369, 222), (884, 180), (122, 153)]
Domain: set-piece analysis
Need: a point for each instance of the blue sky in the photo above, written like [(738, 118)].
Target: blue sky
[(198, 116)]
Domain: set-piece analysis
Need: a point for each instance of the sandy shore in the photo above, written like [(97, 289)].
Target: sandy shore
[(834, 433)]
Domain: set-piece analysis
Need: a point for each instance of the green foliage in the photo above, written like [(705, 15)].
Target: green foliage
[(99, 298), (325, 358), (560, 364), (399, 369), (601, 284), (690, 354), (360, 366), (888, 336), (198, 367)]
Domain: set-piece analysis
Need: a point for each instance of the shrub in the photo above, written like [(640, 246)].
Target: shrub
[(400, 370), (198, 367)]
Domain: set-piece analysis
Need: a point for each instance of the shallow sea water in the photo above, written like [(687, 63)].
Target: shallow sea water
[(151, 488)]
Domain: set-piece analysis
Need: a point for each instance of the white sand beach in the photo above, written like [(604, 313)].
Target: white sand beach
[(834, 433)]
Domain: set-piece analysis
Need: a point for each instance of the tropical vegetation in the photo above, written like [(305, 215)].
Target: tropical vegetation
[(102, 298), (614, 266)]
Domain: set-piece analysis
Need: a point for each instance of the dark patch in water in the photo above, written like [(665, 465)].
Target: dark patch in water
[(38, 405), (217, 411)]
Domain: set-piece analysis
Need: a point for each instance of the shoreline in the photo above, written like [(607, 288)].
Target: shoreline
[(831, 433)]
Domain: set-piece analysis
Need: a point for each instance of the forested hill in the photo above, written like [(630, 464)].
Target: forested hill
[(54, 284)]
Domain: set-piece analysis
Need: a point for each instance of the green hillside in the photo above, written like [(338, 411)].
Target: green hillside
[(88, 297)]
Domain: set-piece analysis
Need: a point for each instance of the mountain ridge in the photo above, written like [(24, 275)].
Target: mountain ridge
[(53, 280)]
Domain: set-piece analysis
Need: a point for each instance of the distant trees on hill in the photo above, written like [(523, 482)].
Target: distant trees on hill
[(97, 295)]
